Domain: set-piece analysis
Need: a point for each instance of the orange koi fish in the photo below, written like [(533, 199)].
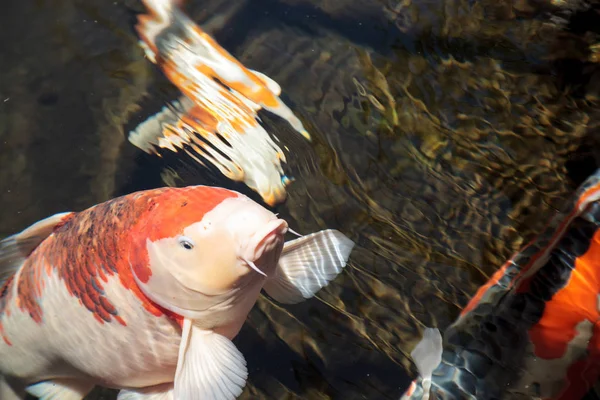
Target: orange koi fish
[(533, 330), (216, 117), (144, 293)]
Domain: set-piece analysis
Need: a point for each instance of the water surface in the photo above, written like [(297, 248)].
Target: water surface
[(444, 135)]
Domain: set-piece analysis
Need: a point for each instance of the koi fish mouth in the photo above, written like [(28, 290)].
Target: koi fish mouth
[(265, 247)]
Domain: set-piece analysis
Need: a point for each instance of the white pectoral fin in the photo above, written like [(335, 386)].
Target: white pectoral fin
[(427, 354), (209, 366), (308, 264), (60, 389), (158, 392)]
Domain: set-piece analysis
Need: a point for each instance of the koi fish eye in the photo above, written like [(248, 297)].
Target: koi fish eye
[(186, 242)]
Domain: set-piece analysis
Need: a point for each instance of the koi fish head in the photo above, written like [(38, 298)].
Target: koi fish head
[(198, 246)]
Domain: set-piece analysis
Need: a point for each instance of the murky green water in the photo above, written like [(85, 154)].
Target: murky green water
[(445, 132)]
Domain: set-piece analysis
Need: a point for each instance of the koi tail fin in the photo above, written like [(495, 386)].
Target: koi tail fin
[(427, 355)]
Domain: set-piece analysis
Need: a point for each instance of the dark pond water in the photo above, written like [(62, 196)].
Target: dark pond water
[(445, 133)]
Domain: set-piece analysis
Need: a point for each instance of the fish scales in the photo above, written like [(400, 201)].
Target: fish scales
[(107, 352), (532, 331), (143, 291)]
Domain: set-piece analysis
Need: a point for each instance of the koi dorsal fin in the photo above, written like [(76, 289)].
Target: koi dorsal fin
[(16, 248)]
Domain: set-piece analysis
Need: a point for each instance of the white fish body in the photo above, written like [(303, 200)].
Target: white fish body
[(145, 292)]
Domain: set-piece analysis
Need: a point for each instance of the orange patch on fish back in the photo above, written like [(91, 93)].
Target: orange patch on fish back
[(110, 240), (204, 112), (179, 208), (575, 302), (527, 271), (589, 195), (258, 93)]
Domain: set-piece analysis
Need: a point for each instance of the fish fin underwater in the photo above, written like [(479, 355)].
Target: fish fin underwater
[(158, 392), (60, 389), (308, 264), (426, 355), (209, 366), (15, 249)]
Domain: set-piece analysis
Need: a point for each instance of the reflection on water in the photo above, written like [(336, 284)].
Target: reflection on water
[(444, 134)]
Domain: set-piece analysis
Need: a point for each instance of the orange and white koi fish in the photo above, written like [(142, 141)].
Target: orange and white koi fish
[(216, 118), (144, 293), (533, 330)]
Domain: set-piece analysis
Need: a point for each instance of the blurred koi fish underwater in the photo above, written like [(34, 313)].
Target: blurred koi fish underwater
[(533, 330), (215, 120), (145, 293)]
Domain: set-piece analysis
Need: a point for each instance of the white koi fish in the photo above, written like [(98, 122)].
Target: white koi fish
[(145, 292), (215, 120)]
